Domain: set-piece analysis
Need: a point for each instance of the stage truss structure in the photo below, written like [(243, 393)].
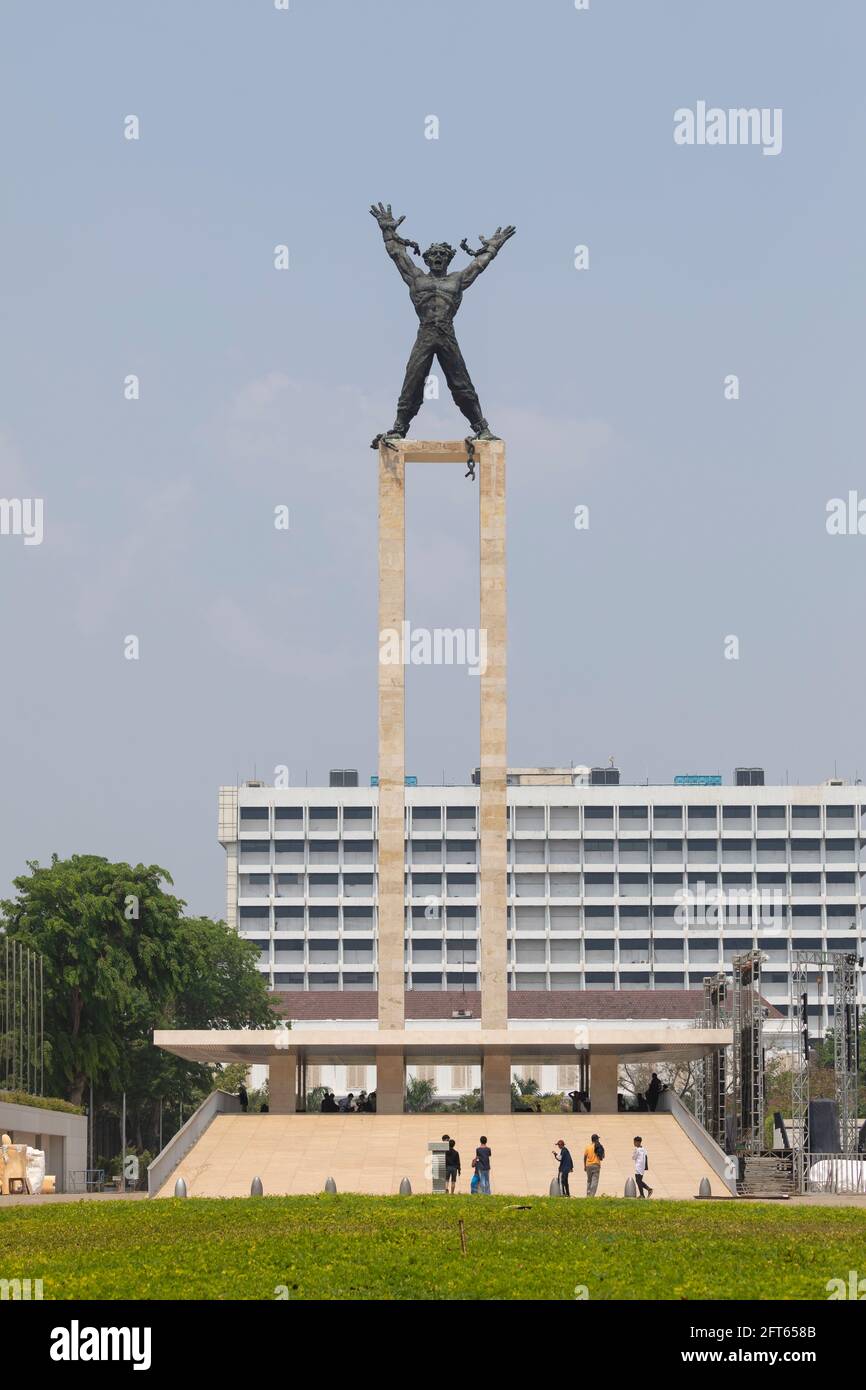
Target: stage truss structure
[(711, 1080), (748, 1025), (845, 967)]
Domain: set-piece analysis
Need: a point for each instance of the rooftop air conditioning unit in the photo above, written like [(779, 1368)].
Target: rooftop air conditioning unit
[(462, 1013), (343, 777), (749, 777), (604, 777)]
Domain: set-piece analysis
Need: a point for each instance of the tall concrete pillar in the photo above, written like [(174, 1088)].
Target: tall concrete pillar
[(493, 823), (390, 1083), (392, 791), (283, 1083), (494, 753), (603, 1073), (496, 1081)]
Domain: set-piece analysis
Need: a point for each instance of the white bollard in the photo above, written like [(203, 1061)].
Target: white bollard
[(405, 1188), (180, 1188), (630, 1188), (256, 1189), (704, 1189), (555, 1189), (330, 1185)]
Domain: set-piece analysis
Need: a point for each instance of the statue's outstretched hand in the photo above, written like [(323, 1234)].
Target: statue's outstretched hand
[(498, 239), (386, 219)]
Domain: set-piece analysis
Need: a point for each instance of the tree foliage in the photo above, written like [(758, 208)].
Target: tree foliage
[(120, 960)]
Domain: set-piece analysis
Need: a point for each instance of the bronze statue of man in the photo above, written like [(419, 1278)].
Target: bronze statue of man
[(436, 295)]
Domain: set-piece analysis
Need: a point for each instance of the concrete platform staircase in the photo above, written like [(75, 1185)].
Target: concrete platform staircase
[(372, 1153)]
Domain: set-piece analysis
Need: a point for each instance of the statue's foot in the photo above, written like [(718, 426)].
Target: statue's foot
[(483, 431), (389, 438)]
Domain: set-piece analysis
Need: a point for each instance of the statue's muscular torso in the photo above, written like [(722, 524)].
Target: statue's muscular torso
[(436, 298)]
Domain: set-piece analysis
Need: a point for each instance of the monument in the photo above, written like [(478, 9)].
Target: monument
[(436, 294), (436, 297), (599, 1042)]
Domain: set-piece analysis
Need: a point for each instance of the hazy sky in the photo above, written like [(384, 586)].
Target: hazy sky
[(261, 387)]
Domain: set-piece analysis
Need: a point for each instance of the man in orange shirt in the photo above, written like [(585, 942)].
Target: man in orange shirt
[(592, 1159)]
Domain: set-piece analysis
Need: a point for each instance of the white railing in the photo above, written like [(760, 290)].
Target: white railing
[(723, 1165)]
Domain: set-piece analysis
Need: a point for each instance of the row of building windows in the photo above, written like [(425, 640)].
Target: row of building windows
[(554, 919), (544, 884), (555, 819), (255, 853), (563, 951)]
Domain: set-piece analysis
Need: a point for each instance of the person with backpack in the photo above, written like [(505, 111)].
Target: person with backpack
[(641, 1167), (483, 1155), (593, 1157), (566, 1166)]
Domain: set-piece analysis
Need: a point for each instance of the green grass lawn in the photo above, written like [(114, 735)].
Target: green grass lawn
[(352, 1247)]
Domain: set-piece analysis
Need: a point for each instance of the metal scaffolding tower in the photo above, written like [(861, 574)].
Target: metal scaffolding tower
[(711, 1080), (845, 966), (845, 1030), (748, 1023)]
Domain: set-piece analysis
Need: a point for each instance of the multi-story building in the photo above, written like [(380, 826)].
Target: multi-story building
[(610, 886)]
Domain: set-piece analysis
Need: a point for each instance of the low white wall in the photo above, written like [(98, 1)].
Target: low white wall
[(721, 1163), (63, 1137), (162, 1167)]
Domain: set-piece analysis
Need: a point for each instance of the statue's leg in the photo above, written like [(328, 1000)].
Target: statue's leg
[(459, 381), (417, 369)]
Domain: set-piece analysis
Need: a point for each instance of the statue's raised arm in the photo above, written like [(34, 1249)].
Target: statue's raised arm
[(394, 244), (490, 247)]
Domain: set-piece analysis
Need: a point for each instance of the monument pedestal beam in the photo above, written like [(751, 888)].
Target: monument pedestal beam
[(603, 1075), (392, 789), (283, 1083), (494, 755), (390, 1083), (493, 811), (496, 1081)]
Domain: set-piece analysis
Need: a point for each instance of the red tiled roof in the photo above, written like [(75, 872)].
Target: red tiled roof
[(522, 1003)]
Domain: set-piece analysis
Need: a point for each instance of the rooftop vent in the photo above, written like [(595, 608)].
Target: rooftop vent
[(343, 777), (749, 777), (604, 777)]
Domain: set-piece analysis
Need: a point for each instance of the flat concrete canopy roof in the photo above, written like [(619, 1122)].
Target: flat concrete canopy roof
[(324, 1045)]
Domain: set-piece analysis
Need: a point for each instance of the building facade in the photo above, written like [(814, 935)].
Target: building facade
[(610, 887)]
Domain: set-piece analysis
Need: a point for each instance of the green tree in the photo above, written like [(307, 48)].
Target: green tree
[(120, 960)]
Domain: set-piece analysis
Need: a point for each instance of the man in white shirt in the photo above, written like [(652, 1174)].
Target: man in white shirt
[(641, 1165)]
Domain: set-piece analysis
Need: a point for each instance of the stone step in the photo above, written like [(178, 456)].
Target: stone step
[(373, 1153)]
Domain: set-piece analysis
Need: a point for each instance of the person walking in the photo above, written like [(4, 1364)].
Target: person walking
[(641, 1167), (484, 1154), (452, 1166), (566, 1166), (243, 1098), (593, 1157)]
